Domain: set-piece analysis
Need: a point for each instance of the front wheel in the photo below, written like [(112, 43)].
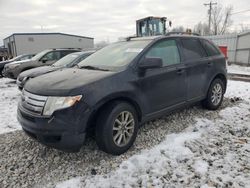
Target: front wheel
[(116, 128), (215, 95)]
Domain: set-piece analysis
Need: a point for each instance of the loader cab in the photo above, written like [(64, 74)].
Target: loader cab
[(151, 26)]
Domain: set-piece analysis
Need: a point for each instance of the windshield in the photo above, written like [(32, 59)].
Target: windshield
[(115, 55), (39, 55), (68, 59), (16, 58)]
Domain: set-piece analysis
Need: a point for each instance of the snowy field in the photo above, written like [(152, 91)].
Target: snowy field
[(210, 153), (190, 148), (9, 95), (236, 69)]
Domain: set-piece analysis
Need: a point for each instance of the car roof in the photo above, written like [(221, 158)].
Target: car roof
[(84, 52), (163, 36), (64, 49)]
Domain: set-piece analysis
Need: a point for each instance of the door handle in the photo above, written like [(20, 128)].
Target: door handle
[(209, 64), (180, 71)]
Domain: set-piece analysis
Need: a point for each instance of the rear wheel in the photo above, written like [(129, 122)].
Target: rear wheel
[(215, 95), (116, 128)]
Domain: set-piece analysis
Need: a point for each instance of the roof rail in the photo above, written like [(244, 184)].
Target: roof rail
[(66, 48), (181, 33), (130, 37)]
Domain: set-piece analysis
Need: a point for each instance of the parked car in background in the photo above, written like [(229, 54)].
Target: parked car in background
[(18, 58), (120, 87), (46, 57), (67, 61)]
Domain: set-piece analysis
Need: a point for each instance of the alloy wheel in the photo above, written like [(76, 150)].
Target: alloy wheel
[(123, 128), (216, 94)]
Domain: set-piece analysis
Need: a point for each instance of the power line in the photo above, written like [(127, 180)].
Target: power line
[(210, 4), (240, 11)]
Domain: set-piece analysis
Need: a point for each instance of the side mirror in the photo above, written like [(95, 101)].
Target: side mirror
[(151, 63), (44, 60)]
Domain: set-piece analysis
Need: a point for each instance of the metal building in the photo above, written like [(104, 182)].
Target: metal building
[(238, 46), (30, 43)]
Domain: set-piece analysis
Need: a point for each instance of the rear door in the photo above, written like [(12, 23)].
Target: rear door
[(217, 63), (196, 62), (164, 87)]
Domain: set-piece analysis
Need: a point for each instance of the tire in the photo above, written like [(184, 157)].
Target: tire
[(215, 95), (110, 124)]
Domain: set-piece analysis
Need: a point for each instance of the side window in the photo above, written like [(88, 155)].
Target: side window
[(192, 49), (25, 57), (166, 50), (51, 56), (211, 49), (66, 52), (78, 60), (83, 57)]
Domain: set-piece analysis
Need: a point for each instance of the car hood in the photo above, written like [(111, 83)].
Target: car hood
[(4, 62), (64, 82), (19, 62), (32, 73)]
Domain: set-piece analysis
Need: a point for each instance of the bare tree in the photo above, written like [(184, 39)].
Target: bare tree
[(101, 44), (221, 19), (178, 29), (244, 28), (201, 28)]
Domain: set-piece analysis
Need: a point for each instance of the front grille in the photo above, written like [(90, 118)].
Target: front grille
[(33, 103), (4, 69)]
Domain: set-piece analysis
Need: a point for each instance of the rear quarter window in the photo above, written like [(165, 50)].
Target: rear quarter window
[(192, 49), (66, 52), (210, 48)]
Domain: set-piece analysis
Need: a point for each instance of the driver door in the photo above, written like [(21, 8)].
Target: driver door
[(50, 58), (164, 88)]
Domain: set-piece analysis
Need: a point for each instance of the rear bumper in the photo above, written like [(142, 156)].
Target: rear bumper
[(57, 132)]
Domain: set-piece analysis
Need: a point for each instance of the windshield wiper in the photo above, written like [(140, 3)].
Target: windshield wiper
[(91, 68)]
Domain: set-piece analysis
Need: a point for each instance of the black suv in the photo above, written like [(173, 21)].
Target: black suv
[(120, 87)]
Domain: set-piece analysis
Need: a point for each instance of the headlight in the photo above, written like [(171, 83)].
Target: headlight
[(15, 65), (57, 103), (25, 79)]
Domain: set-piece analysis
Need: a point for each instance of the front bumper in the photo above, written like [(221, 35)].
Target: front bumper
[(20, 83), (8, 73), (61, 131)]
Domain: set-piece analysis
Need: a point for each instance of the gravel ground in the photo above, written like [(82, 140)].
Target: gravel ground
[(208, 153), (26, 163)]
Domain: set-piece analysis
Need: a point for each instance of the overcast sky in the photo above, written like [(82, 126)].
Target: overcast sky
[(103, 19)]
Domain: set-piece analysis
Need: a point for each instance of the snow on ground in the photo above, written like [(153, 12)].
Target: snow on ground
[(210, 153), (237, 69), (9, 95)]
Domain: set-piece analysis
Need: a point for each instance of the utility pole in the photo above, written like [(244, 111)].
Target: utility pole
[(210, 4)]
